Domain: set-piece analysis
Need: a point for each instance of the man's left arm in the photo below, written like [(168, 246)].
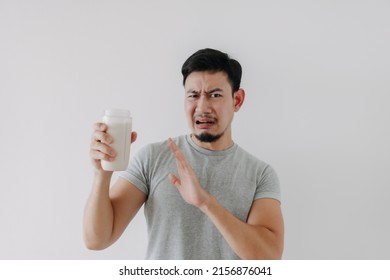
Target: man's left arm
[(261, 237)]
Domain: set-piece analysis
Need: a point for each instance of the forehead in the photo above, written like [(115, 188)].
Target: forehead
[(207, 80)]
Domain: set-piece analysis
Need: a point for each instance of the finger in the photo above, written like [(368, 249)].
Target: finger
[(174, 180), (97, 156), (182, 164), (103, 148), (134, 136), (100, 126), (180, 160), (172, 145), (176, 151), (100, 136)]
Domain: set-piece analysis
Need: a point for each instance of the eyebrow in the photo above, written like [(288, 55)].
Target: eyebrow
[(213, 90), (208, 92)]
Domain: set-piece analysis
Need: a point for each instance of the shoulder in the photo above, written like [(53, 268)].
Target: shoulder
[(264, 171), (159, 149), (251, 159), (161, 145)]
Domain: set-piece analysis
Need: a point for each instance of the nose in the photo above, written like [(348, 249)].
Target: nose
[(203, 104)]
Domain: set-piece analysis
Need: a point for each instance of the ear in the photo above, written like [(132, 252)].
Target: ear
[(238, 99)]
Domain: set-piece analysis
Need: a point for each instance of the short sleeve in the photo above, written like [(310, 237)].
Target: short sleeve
[(268, 186), (137, 171)]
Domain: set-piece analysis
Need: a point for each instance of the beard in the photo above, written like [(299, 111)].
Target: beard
[(207, 137)]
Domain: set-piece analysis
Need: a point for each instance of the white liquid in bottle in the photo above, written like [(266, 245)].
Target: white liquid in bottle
[(119, 124)]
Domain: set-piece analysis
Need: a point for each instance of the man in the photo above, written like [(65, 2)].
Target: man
[(204, 196)]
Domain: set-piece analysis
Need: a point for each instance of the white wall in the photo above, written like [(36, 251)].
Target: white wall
[(316, 75)]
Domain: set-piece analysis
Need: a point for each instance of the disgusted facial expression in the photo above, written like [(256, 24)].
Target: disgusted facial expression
[(210, 106)]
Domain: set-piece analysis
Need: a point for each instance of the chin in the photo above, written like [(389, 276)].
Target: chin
[(207, 137)]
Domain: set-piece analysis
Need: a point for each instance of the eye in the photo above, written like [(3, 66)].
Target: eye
[(215, 95), (192, 95)]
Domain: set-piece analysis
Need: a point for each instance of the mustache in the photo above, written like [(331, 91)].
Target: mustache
[(204, 117)]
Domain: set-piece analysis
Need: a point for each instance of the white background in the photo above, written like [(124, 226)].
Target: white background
[(316, 74)]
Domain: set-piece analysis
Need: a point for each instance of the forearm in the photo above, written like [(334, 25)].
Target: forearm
[(260, 237), (99, 214), (247, 241)]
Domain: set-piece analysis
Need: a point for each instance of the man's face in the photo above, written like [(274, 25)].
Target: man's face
[(209, 105)]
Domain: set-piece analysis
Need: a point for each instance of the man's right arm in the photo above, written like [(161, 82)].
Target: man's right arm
[(108, 210)]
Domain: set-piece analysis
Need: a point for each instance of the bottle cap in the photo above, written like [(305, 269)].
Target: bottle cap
[(117, 113)]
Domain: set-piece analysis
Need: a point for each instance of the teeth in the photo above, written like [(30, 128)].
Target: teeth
[(205, 121)]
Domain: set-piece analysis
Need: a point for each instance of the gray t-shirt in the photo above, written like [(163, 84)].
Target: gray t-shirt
[(177, 230)]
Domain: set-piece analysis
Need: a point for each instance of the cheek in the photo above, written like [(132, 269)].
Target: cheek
[(189, 110), (225, 109), (226, 114), (188, 107)]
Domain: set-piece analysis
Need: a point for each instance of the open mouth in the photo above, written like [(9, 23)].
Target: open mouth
[(204, 123)]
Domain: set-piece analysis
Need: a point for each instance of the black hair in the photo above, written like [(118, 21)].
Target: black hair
[(214, 61)]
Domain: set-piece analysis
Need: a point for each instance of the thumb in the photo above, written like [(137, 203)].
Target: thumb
[(133, 136), (174, 180)]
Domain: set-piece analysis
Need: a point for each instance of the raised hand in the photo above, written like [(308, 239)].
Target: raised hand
[(187, 183)]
